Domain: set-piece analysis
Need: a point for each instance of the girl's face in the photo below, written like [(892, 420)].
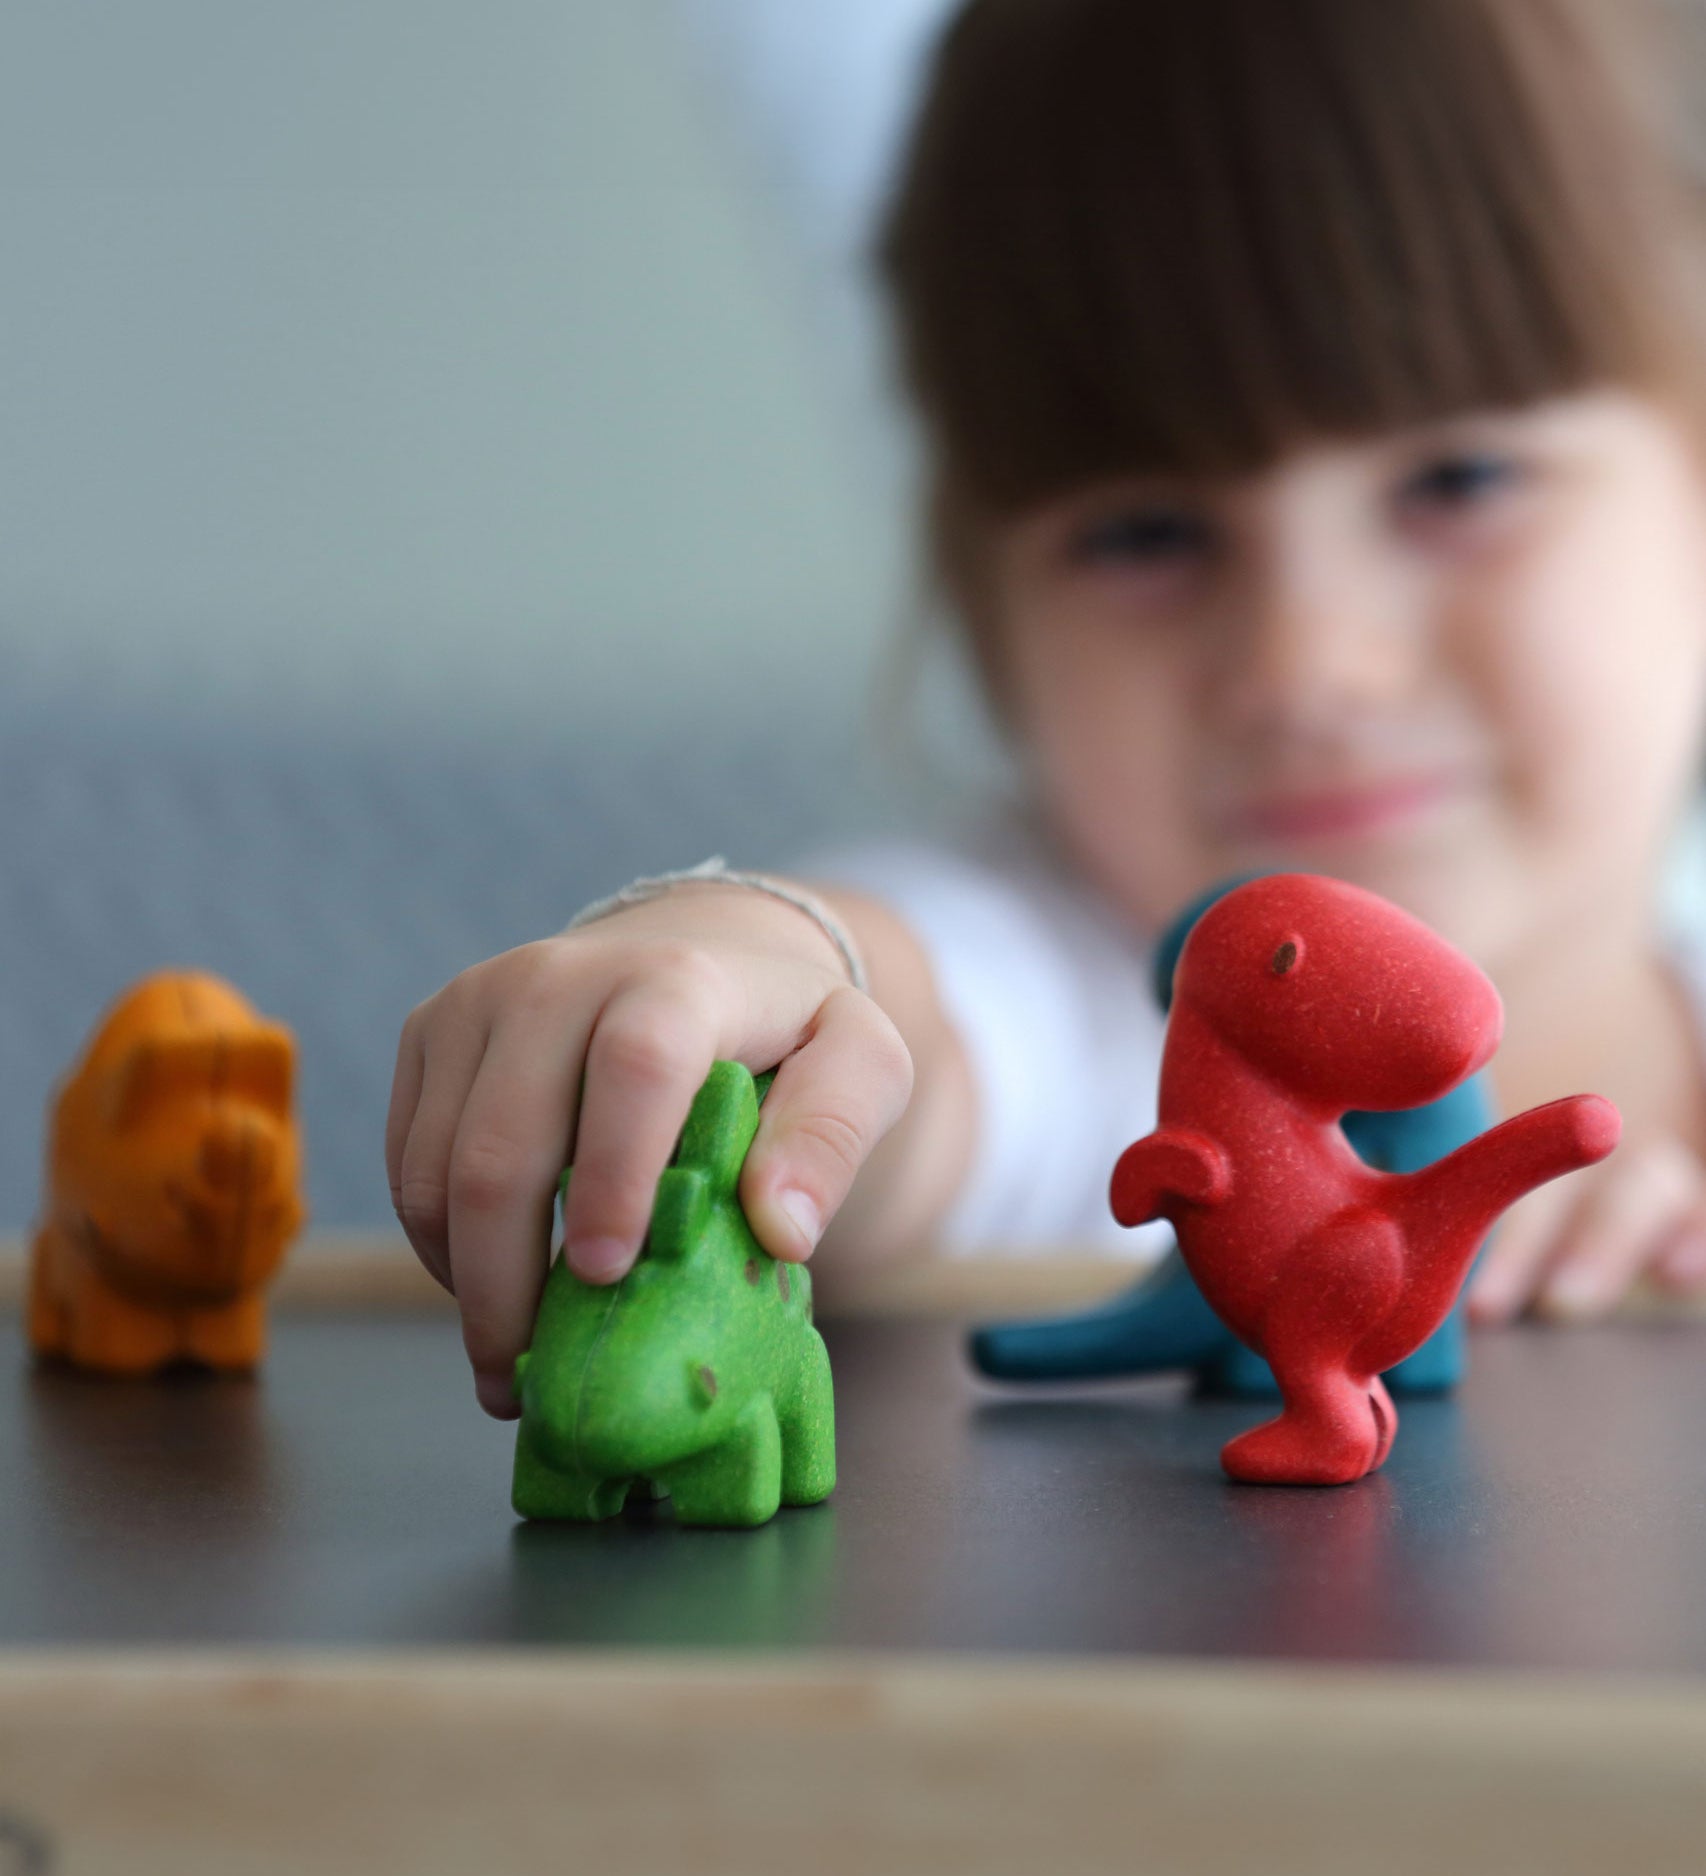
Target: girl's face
[(1464, 666)]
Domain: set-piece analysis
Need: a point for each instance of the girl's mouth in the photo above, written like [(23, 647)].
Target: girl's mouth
[(1366, 808)]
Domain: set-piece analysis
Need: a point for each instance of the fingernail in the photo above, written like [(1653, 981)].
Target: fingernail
[(598, 1260), (496, 1393), (801, 1213), (1575, 1294)]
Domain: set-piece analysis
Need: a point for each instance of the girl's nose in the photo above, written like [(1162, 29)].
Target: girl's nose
[(1311, 642)]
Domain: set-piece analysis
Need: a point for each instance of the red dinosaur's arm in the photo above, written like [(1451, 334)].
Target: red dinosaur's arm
[(1172, 1163)]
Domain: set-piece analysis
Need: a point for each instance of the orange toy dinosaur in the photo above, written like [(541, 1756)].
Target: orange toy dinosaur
[(172, 1183)]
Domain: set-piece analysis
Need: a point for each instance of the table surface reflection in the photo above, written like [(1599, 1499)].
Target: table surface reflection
[(1553, 1516)]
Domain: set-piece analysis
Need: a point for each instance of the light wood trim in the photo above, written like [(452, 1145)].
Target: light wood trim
[(345, 1270), (1020, 1282), (720, 1766), (377, 1270)]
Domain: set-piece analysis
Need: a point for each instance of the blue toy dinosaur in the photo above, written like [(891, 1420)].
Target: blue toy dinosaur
[(1163, 1324)]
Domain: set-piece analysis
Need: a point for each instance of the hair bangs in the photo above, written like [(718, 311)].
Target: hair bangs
[(1182, 236)]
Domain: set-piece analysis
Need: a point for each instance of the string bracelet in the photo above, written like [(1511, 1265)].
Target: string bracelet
[(716, 870)]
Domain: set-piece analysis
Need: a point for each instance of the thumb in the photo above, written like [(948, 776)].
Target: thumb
[(831, 1102)]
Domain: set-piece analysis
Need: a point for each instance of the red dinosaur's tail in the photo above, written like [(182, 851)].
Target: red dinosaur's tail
[(1449, 1207)]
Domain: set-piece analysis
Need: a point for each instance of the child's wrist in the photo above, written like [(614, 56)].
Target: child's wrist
[(715, 873)]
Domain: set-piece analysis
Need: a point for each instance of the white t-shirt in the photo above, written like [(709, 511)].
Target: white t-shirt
[(1050, 993)]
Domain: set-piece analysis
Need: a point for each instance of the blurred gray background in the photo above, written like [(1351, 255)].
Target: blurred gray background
[(441, 479), (445, 471)]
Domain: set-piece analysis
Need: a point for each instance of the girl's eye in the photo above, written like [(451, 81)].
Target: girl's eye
[(1142, 537), (1449, 484)]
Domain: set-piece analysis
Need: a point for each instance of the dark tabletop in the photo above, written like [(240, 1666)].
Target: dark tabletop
[(1555, 1515)]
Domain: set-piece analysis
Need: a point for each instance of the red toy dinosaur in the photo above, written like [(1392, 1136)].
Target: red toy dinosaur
[(1298, 998)]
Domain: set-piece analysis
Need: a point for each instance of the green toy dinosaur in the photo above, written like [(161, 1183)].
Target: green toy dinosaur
[(699, 1373)]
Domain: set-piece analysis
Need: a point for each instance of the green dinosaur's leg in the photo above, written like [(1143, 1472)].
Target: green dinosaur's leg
[(738, 1482), (808, 1430), (542, 1490)]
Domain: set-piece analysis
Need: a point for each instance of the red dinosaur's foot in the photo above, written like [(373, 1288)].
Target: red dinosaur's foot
[(1316, 1448), (1386, 1421)]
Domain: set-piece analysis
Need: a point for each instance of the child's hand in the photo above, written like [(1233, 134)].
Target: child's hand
[(488, 1103), (1572, 1249)]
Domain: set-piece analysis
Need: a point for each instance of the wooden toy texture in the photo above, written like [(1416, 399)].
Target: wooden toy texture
[(172, 1183), (699, 1374), (1164, 1324), (1299, 998)]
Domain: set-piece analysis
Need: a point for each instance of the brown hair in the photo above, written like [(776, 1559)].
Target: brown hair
[(1183, 235)]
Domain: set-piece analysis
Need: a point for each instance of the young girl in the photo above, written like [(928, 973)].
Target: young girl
[(1312, 398)]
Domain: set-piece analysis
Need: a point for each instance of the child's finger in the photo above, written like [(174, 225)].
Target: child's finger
[(831, 1102), (1614, 1233), (1522, 1245), (406, 1079), (450, 1059), (1681, 1265), (510, 1147), (650, 1050)]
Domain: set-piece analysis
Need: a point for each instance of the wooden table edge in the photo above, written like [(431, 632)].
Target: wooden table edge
[(376, 1761), (829, 1689)]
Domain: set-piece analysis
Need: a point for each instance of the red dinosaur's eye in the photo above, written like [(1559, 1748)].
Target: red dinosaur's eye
[(1284, 958)]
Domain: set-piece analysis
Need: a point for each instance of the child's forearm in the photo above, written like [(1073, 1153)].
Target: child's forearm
[(914, 1174)]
